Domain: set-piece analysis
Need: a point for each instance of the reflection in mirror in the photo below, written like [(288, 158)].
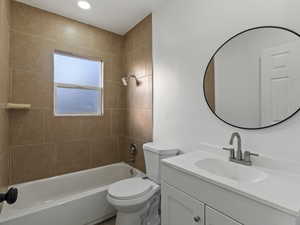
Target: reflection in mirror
[(253, 80)]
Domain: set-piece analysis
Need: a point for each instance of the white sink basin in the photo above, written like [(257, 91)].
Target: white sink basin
[(235, 172)]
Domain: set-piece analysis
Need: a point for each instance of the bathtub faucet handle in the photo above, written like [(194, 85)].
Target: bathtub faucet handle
[(10, 196)]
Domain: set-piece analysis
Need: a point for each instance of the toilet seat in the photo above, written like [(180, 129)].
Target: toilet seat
[(130, 189)]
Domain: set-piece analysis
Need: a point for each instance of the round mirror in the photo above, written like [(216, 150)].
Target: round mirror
[(253, 80)]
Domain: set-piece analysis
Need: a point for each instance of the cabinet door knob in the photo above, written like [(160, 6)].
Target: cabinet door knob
[(197, 219)]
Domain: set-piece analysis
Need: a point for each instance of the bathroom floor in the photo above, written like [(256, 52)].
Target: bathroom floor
[(109, 222)]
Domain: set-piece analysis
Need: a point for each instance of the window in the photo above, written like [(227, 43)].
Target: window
[(78, 88)]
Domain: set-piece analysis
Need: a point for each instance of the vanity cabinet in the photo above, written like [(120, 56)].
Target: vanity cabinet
[(191, 200), (179, 208), (212, 217)]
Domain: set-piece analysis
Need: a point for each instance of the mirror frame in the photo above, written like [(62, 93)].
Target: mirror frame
[(216, 52)]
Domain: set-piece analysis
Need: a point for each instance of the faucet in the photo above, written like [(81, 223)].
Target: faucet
[(239, 153), (132, 150), (241, 158)]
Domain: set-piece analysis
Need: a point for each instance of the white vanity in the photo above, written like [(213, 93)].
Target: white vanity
[(205, 188)]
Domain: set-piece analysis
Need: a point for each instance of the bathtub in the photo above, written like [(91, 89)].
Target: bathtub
[(72, 199)]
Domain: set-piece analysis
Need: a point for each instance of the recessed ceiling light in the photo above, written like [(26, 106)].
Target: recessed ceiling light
[(84, 5)]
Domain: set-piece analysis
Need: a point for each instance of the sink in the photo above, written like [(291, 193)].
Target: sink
[(229, 170)]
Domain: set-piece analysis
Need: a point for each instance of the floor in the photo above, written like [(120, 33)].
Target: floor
[(109, 222)]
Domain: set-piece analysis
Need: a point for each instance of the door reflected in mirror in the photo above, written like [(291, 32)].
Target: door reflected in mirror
[(253, 80)]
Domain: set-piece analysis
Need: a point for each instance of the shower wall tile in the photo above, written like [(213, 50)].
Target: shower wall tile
[(64, 30), (3, 131), (72, 157), (104, 151), (140, 123), (114, 95), (4, 54), (61, 128), (31, 53), (4, 171), (31, 87), (4, 92), (69, 143), (119, 122), (96, 127), (32, 162), (138, 61), (140, 97), (27, 127)]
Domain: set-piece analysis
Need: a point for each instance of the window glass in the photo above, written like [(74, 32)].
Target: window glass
[(77, 101), (78, 86), (73, 70)]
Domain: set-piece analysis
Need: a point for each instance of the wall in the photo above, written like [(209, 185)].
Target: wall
[(138, 61), (185, 36), (237, 75), (42, 145), (4, 80)]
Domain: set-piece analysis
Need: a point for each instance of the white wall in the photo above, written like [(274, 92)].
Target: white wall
[(237, 75), (185, 35)]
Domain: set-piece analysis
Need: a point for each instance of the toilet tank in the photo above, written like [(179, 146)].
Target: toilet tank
[(153, 155)]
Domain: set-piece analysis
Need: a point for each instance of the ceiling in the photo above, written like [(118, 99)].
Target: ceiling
[(117, 16)]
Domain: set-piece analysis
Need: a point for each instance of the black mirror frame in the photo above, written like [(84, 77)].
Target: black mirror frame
[(204, 92)]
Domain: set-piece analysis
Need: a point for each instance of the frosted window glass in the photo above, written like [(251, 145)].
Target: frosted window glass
[(77, 101), (73, 70)]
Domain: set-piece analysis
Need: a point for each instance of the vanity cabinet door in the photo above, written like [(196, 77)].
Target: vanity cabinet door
[(179, 208), (215, 218)]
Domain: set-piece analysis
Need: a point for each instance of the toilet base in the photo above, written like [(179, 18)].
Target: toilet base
[(129, 218)]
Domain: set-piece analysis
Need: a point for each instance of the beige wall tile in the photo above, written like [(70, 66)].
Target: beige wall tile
[(97, 126), (62, 128), (4, 91), (138, 61), (72, 156), (4, 170), (75, 143), (5, 12), (3, 131), (140, 123), (31, 52), (31, 162), (4, 50), (4, 61), (119, 122), (4, 82), (117, 70), (31, 87), (24, 19), (27, 127), (64, 30), (35, 35), (104, 151), (114, 95), (107, 42), (140, 97)]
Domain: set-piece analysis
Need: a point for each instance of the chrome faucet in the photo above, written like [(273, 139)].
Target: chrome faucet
[(244, 159), (239, 153)]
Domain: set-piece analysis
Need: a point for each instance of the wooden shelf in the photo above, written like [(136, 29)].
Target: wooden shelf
[(18, 106)]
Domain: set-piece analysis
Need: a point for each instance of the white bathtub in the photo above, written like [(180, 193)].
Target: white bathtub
[(72, 199)]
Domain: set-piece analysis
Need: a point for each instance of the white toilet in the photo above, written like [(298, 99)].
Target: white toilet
[(133, 198)]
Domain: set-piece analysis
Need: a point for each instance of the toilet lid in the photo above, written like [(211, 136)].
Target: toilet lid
[(130, 188)]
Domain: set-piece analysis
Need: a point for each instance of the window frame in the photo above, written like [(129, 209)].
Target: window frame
[(100, 88)]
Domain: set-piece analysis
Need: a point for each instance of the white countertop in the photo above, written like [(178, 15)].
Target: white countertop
[(280, 189)]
